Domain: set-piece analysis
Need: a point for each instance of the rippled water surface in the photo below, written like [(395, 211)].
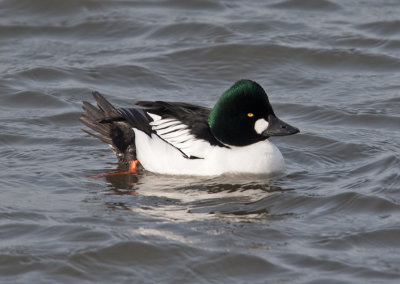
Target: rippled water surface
[(331, 68)]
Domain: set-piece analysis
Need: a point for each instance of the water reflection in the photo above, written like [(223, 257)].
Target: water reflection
[(186, 198)]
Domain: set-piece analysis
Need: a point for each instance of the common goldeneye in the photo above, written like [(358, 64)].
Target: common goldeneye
[(185, 139)]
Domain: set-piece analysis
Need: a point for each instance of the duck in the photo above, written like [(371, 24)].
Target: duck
[(179, 138)]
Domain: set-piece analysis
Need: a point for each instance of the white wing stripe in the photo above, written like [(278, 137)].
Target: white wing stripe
[(175, 135), (177, 140), (182, 143), (160, 122), (178, 135), (164, 124), (173, 128), (155, 117)]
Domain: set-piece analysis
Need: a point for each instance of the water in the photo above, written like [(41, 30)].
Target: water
[(331, 68)]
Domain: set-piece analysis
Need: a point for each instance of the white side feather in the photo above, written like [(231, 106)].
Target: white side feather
[(166, 158), (160, 157)]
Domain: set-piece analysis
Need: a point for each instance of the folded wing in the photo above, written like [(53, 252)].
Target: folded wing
[(182, 125)]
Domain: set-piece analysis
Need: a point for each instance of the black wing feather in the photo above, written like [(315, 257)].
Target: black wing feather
[(111, 126), (114, 126), (194, 116), (137, 118)]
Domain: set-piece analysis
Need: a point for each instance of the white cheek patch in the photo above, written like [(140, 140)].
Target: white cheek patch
[(260, 125)]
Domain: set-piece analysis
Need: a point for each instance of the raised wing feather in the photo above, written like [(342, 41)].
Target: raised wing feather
[(193, 116), (182, 125)]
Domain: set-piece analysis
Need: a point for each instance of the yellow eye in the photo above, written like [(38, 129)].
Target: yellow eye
[(250, 114)]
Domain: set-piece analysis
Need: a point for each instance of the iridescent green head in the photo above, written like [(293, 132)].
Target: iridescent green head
[(243, 116)]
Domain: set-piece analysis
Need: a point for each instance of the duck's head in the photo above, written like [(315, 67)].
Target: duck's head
[(243, 116)]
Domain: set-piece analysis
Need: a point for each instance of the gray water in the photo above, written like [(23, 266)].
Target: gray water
[(330, 68)]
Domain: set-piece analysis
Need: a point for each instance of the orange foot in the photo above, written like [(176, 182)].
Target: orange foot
[(133, 166), (132, 169)]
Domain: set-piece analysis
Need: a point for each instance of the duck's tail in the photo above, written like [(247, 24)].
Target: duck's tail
[(111, 127)]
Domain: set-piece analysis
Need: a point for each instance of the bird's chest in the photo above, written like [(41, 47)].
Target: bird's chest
[(259, 158)]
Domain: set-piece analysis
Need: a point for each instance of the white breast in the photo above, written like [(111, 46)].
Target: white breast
[(160, 157)]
